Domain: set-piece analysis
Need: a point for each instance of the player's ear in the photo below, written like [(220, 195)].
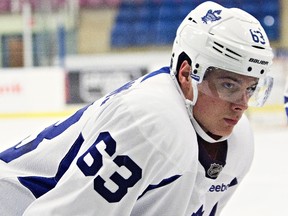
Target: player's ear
[(184, 72), (185, 80)]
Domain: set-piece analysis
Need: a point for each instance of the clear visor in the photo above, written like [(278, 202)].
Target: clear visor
[(236, 88)]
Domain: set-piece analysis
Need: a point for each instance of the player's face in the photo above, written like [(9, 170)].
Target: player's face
[(222, 99)]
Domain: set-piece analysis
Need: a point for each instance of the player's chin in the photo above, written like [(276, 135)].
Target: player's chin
[(224, 131)]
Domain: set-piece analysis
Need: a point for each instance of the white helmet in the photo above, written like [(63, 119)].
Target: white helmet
[(226, 38)]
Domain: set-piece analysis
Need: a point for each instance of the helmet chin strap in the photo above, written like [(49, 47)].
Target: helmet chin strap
[(190, 103), (189, 106), (204, 134)]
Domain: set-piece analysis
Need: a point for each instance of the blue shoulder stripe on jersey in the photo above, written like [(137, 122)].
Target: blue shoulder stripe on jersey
[(214, 210), (164, 182), (160, 71), (48, 133), (233, 182), (199, 212), (39, 185)]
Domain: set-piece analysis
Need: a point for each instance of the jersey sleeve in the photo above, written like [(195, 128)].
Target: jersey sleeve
[(34, 165)]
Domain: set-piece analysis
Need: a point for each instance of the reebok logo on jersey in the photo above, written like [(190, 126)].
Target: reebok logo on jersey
[(219, 188), (223, 187)]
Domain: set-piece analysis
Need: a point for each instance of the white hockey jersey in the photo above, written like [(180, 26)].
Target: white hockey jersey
[(132, 152)]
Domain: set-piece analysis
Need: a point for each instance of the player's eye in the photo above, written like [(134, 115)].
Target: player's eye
[(251, 89), (229, 87)]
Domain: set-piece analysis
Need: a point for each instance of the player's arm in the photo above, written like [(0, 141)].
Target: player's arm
[(33, 166), (102, 181), (116, 164)]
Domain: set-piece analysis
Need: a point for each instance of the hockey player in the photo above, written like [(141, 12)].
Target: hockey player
[(173, 142)]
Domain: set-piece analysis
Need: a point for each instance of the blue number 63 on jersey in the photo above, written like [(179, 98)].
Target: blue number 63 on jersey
[(120, 160)]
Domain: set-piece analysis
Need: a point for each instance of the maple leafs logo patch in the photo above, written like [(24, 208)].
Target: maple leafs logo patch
[(211, 16)]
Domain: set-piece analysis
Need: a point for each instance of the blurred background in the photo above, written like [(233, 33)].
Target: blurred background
[(57, 55)]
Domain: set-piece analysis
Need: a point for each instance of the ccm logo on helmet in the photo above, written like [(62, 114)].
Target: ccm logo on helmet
[(257, 61)]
